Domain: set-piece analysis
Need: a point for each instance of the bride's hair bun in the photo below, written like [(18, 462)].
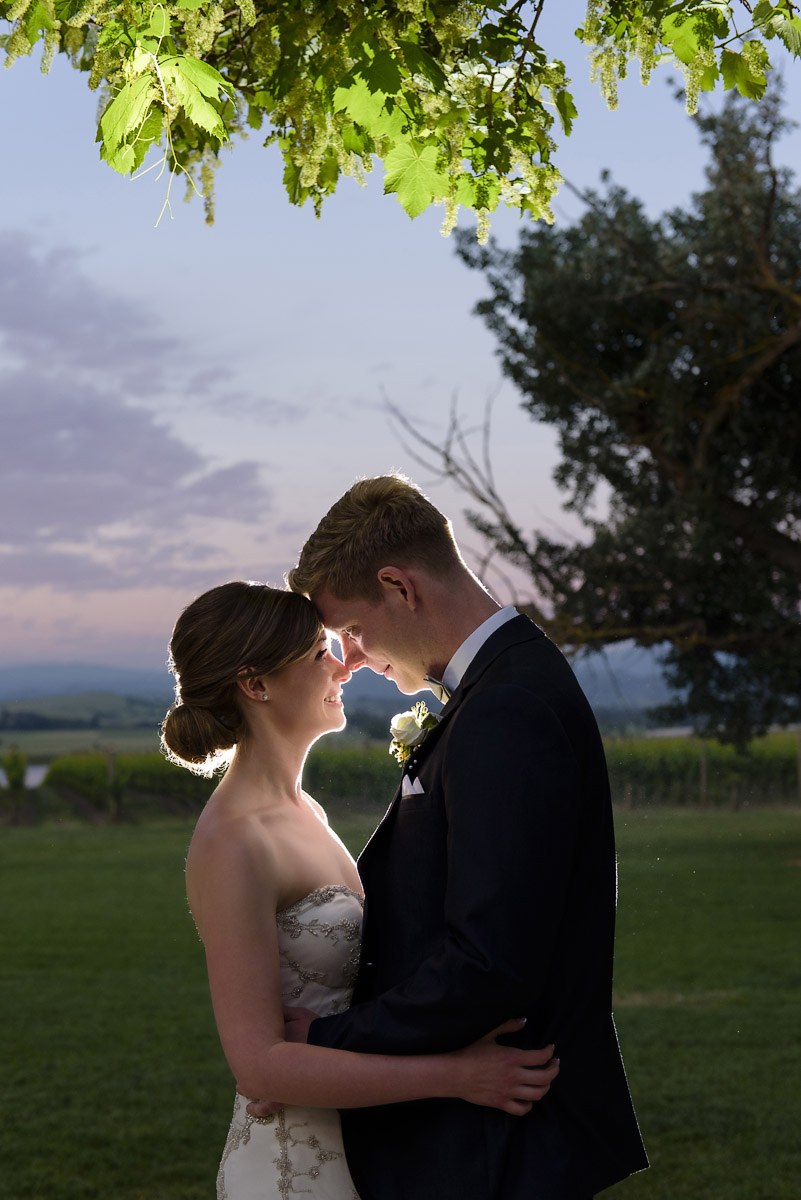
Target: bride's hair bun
[(236, 630), (193, 735)]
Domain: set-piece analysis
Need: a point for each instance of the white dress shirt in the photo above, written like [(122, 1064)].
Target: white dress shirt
[(455, 670)]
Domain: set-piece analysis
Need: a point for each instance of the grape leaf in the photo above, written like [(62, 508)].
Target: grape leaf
[(737, 73), (377, 114), (362, 38), (411, 171), (477, 191), (126, 112), (199, 110), (566, 109), (356, 141), (159, 22), (360, 103), (204, 77), (294, 188), (709, 77), (255, 117), (64, 9), (111, 35), (762, 12), (679, 32), (36, 21), (149, 133), (196, 87), (420, 62), (381, 74), (789, 30)]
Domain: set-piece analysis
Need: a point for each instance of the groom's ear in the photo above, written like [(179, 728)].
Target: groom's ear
[(399, 585)]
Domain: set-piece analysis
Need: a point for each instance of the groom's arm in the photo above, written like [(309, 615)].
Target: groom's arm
[(511, 786)]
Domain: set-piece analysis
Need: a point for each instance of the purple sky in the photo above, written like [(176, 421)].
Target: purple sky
[(180, 405)]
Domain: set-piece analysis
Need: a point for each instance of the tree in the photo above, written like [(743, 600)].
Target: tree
[(667, 354), (457, 100)]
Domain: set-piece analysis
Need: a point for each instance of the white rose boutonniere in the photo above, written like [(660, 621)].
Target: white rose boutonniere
[(408, 730)]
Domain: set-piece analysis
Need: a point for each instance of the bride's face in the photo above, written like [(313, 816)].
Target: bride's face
[(306, 697)]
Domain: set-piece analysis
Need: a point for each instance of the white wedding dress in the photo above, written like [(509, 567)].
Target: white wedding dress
[(299, 1151)]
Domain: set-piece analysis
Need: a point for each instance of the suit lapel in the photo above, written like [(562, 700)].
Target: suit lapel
[(374, 839), (519, 629)]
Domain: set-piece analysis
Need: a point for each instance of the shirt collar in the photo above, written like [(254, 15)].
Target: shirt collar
[(454, 672)]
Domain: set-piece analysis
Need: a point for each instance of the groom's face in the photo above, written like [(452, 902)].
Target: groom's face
[(379, 636)]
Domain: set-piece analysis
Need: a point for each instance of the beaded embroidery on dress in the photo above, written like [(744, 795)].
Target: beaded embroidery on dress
[(299, 1151)]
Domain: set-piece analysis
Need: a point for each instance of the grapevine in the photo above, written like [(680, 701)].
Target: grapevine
[(459, 101)]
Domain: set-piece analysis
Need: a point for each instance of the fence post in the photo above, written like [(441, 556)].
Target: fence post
[(703, 782), (798, 741), (111, 759)]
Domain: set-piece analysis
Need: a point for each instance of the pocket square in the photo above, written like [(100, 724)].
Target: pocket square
[(411, 787)]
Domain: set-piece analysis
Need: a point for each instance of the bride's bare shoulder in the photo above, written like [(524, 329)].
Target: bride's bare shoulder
[(230, 841), (317, 808)]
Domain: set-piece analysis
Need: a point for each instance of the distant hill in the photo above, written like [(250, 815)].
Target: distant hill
[(38, 681), (35, 681), (620, 677), (624, 677), (82, 710)]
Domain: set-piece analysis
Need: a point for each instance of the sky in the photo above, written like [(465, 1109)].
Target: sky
[(180, 404)]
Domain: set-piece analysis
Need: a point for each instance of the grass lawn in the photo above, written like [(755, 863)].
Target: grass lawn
[(115, 1087)]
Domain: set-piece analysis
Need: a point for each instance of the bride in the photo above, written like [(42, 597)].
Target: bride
[(277, 900)]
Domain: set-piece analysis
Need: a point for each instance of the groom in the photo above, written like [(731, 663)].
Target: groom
[(490, 883)]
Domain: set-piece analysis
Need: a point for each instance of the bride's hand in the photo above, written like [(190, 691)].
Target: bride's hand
[(503, 1076)]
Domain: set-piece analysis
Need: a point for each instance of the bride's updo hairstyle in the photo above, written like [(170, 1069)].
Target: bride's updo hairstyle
[(236, 631)]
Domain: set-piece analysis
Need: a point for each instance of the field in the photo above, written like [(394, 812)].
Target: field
[(119, 775), (45, 728), (43, 745), (99, 722), (644, 771), (686, 770), (116, 1088)]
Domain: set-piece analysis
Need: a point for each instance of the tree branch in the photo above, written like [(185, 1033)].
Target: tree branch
[(522, 59), (729, 397), (770, 543)]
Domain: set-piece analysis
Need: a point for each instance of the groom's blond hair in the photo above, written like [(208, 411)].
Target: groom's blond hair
[(378, 522)]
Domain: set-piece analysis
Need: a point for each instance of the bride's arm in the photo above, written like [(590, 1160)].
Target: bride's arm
[(232, 888)]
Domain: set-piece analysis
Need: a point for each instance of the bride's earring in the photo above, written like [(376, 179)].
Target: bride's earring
[(265, 696)]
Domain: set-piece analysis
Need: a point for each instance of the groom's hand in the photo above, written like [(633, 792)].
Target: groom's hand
[(498, 1076), (296, 1024)]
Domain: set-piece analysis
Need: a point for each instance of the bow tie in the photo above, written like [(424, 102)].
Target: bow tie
[(438, 688)]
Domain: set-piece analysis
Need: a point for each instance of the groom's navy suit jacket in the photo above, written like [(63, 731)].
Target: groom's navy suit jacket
[(491, 895)]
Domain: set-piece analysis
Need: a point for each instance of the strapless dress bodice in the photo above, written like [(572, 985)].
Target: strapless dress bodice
[(318, 939)]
